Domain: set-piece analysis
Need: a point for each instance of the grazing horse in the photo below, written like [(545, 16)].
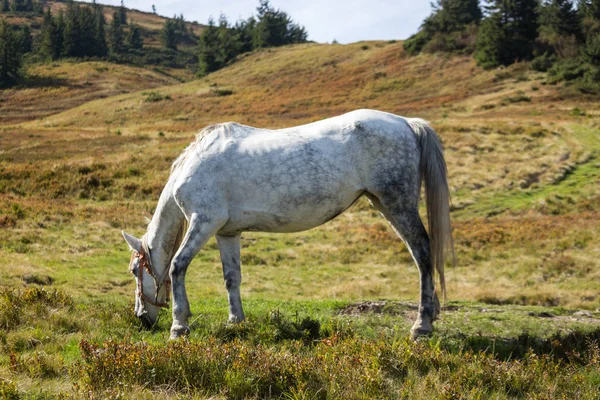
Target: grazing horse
[(235, 178)]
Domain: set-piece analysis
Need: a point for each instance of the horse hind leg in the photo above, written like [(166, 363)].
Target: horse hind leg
[(229, 247), (407, 224)]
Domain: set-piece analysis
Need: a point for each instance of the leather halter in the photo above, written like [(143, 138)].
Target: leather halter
[(145, 263)]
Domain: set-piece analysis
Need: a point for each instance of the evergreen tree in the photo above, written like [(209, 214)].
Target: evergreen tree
[(243, 31), (38, 7), (448, 16), (28, 5), (134, 38), (271, 28), (208, 49), (508, 34), (153, 9), (589, 8), (58, 39), (296, 34), (168, 36), (72, 33), (560, 29), (228, 43), (100, 46), (17, 5), (10, 55), (87, 33), (116, 34), (559, 17), (25, 39), (51, 36), (122, 14), (4, 6), (275, 28), (591, 51)]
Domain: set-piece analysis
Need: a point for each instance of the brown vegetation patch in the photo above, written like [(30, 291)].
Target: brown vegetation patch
[(380, 307)]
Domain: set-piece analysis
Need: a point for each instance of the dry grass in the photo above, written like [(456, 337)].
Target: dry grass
[(59, 86)]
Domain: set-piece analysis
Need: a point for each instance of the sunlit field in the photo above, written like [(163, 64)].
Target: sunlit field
[(86, 152)]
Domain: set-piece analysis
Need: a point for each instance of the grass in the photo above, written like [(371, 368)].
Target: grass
[(329, 309), (310, 348)]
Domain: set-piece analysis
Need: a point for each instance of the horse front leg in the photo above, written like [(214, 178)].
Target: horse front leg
[(201, 228), (229, 247)]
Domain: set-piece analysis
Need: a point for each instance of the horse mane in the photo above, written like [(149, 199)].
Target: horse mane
[(224, 129)]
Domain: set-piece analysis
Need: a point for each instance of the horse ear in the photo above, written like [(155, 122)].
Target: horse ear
[(133, 242)]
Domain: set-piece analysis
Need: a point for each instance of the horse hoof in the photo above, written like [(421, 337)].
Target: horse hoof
[(234, 319), (179, 331), (419, 333)]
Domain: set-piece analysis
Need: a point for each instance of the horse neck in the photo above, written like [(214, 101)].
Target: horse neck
[(164, 230)]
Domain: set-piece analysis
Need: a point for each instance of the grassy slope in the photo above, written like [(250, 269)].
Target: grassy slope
[(147, 20), (523, 169)]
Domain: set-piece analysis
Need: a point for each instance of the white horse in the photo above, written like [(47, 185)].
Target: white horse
[(235, 178)]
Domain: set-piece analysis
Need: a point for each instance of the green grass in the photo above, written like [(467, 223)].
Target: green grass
[(295, 349), (571, 187)]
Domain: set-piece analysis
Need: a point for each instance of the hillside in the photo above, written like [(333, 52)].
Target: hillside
[(515, 146), (152, 23), (85, 152)]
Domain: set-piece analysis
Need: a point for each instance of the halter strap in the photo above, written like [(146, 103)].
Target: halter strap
[(145, 263)]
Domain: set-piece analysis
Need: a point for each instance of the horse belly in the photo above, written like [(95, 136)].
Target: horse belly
[(288, 213)]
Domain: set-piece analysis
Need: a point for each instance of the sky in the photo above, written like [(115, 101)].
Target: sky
[(346, 21)]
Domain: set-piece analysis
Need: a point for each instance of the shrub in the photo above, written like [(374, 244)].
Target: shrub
[(153, 97), (543, 63)]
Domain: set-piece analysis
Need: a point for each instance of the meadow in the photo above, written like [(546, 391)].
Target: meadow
[(85, 152)]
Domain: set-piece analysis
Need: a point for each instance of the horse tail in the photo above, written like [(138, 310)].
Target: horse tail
[(437, 195)]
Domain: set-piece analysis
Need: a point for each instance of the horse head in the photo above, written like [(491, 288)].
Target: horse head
[(152, 291)]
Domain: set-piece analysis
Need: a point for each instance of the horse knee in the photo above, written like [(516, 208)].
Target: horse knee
[(178, 268), (232, 280)]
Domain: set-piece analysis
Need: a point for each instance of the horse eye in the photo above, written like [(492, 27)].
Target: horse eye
[(133, 268)]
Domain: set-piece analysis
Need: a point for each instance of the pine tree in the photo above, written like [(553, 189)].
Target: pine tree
[(28, 5), (561, 18), (591, 51), (51, 36), (167, 35), (100, 46), (228, 42), (589, 8), (38, 7), (4, 6), (122, 13), (116, 34), (153, 9), (243, 30), (25, 39), (508, 34), (560, 29), (271, 28), (58, 39), (208, 49), (17, 5), (490, 40), (87, 35), (10, 55), (448, 16), (275, 28), (134, 37), (72, 33)]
